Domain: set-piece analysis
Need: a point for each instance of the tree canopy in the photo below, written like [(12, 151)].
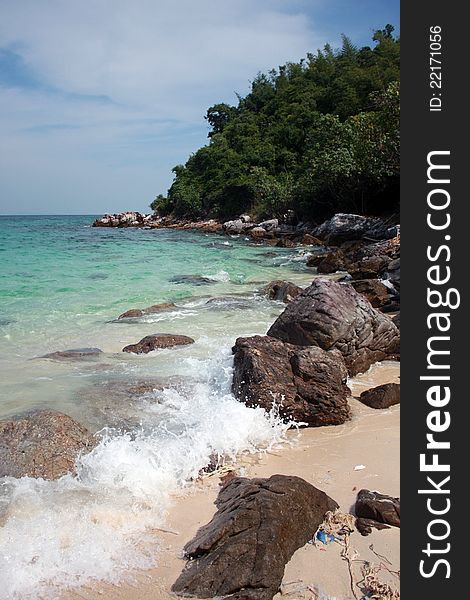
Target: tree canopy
[(314, 137)]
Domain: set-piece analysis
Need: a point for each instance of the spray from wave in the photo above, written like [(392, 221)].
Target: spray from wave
[(96, 525)]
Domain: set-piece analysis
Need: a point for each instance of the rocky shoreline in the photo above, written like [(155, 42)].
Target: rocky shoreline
[(327, 332), (365, 249)]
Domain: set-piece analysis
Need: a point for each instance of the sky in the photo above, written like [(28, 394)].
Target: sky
[(100, 99)]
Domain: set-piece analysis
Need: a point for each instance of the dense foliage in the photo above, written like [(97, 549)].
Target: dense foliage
[(315, 137)]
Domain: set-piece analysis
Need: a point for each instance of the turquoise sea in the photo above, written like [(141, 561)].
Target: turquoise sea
[(62, 285)]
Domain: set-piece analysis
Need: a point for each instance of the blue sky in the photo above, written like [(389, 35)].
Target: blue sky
[(99, 99)]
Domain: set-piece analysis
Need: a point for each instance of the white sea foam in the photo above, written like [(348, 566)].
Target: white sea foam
[(221, 275), (98, 524)]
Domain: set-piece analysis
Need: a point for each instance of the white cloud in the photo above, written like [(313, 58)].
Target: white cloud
[(160, 64)]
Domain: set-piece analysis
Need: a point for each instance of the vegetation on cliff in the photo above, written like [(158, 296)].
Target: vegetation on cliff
[(315, 137)]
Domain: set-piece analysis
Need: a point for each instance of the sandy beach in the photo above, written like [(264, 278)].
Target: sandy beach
[(341, 460)]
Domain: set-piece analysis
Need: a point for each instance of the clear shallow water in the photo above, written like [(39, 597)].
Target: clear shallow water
[(62, 285)]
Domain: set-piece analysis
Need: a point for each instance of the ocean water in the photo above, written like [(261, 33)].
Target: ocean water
[(62, 285)]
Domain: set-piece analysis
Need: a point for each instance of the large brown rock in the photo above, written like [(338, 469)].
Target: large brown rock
[(241, 553), (374, 290), (333, 315), (158, 341), (307, 384), (44, 443), (149, 310), (368, 267), (283, 291), (382, 396), (378, 507)]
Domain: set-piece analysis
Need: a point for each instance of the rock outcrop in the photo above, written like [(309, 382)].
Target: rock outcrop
[(344, 227), (241, 553), (43, 443), (124, 219), (334, 316), (158, 341), (382, 396), (306, 384), (282, 291)]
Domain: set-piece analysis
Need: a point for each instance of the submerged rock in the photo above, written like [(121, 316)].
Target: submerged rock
[(4, 321), (382, 396), (150, 310), (117, 402), (44, 443), (306, 384), (192, 279), (230, 302), (333, 315), (74, 354), (258, 526), (378, 507), (158, 341), (283, 291)]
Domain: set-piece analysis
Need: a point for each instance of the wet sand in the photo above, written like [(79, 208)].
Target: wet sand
[(341, 460)]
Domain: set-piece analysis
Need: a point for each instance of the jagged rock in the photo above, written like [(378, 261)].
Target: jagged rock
[(396, 320), (158, 341), (362, 260), (245, 218), (310, 240), (373, 289), (124, 219), (241, 553), (43, 443), (368, 268), (343, 227), (234, 227), (306, 384), (333, 261), (258, 232), (382, 396), (378, 507), (315, 259), (334, 316), (283, 291), (74, 354), (150, 310), (270, 225), (392, 273), (285, 242)]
